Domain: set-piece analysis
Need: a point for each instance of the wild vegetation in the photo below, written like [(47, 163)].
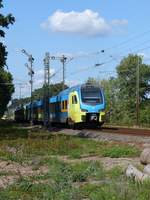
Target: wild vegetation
[(27, 145), (121, 91), (38, 94), (6, 85), (42, 165)]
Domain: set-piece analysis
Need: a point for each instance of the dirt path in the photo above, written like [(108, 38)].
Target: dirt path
[(10, 172), (108, 163)]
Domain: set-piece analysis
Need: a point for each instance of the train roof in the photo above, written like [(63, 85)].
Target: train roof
[(76, 88), (63, 95), (53, 99), (36, 103), (68, 90)]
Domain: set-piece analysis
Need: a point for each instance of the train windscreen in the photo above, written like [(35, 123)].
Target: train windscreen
[(91, 95)]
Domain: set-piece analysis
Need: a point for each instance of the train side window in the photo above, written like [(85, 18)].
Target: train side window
[(74, 99), (62, 105), (65, 104)]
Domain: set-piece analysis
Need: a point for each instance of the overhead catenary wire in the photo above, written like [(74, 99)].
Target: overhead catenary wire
[(108, 60), (83, 54), (129, 40), (103, 50), (111, 60), (90, 67), (137, 45), (105, 62)]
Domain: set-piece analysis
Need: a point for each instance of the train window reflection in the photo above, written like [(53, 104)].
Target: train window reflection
[(91, 95)]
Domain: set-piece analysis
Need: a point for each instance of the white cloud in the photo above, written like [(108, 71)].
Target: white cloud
[(86, 23)]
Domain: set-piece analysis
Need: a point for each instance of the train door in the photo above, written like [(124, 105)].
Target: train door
[(74, 108)]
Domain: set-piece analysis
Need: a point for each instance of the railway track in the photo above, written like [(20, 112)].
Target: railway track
[(126, 131), (107, 129), (109, 134), (104, 133)]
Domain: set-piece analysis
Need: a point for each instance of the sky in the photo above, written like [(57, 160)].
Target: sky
[(79, 29)]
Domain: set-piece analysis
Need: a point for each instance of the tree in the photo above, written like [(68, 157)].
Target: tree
[(92, 81), (110, 88), (6, 86), (127, 76), (38, 94), (120, 92), (54, 89), (6, 89)]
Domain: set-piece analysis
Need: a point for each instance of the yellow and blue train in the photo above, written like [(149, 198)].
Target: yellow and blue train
[(82, 104)]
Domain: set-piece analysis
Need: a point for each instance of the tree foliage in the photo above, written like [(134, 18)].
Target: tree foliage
[(6, 89), (6, 86), (38, 94), (127, 79), (120, 92), (54, 89)]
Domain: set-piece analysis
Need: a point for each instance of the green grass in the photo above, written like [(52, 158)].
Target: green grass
[(20, 145), (117, 191), (115, 172), (66, 181), (60, 184), (120, 151), (87, 170), (27, 148)]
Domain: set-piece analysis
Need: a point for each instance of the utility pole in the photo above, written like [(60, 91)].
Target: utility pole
[(30, 73), (63, 59), (137, 91), (46, 89)]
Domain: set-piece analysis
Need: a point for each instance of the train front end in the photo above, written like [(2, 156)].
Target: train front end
[(92, 104), (86, 105)]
